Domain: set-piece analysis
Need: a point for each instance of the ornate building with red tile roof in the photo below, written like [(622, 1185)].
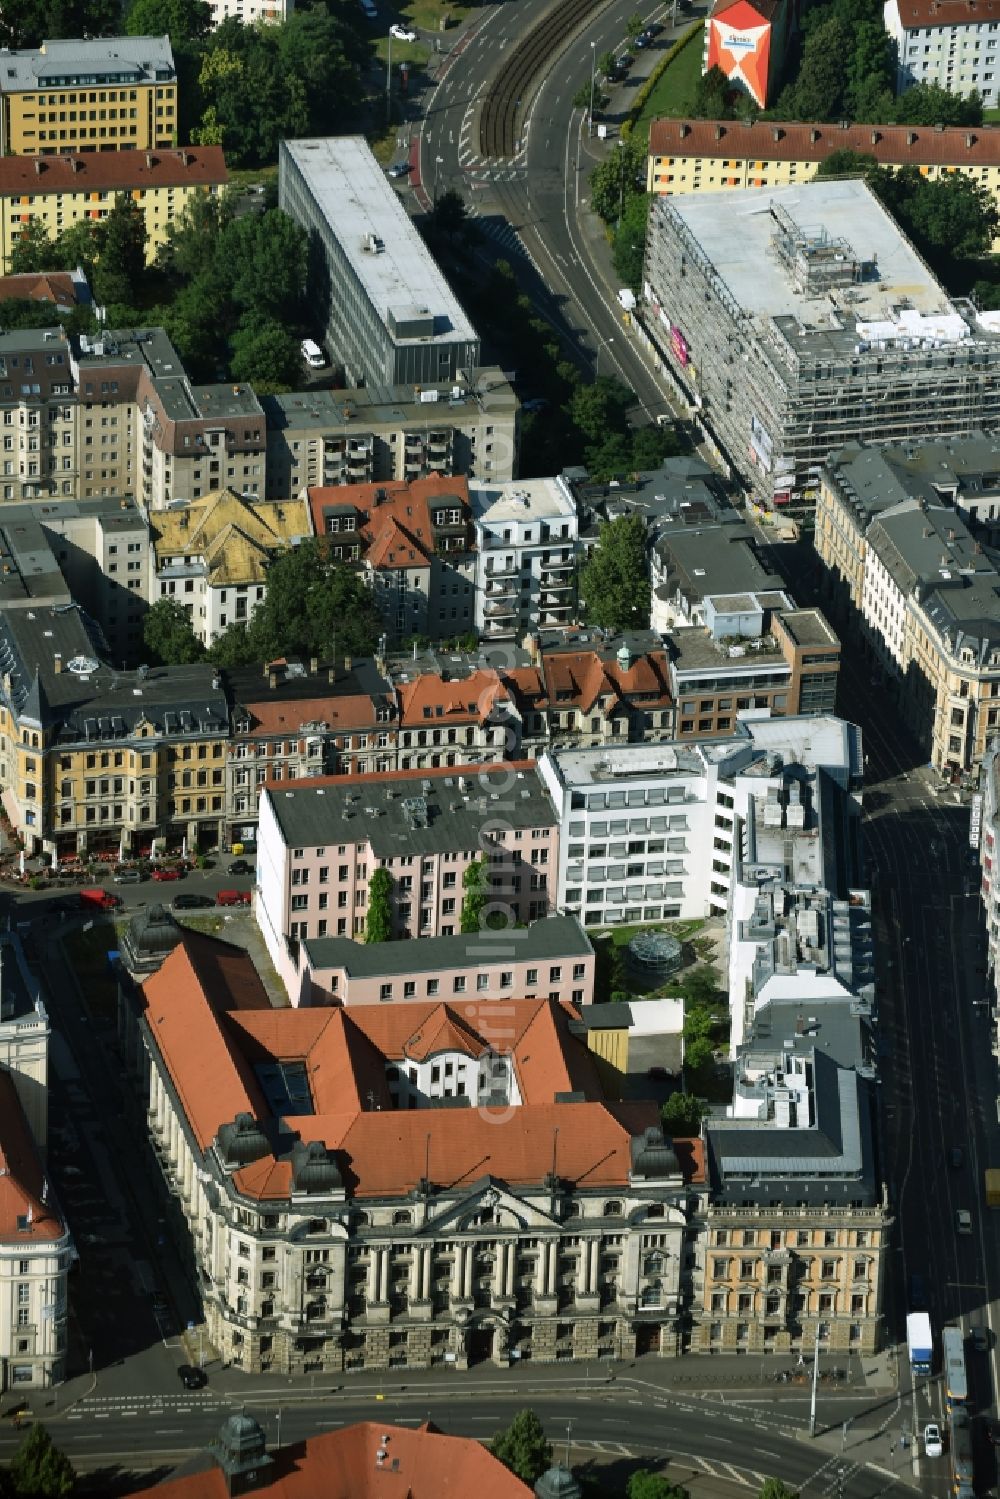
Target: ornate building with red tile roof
[(406, 1185)]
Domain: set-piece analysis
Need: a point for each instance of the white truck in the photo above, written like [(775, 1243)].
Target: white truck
[(626, 299), (919, 1342)]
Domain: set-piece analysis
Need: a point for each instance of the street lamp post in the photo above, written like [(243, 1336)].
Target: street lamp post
[(438, 161), (388, 83), (593, 64), (812, 1403), (597, 362)]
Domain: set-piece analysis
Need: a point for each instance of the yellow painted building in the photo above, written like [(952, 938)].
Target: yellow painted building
[(695, 156), (114, 93), (60, 191)]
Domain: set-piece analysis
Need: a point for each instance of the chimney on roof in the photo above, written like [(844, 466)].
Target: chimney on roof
[(845, 124), (876, 137), (185, 158), (348, 662), (313, 665), (719, 132), (685, 130), (39, 164), (813, 136), (776, 133), (75, 164), (272, 679), (911, 137), (150, 158)]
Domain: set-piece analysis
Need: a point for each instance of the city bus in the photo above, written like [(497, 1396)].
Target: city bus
[(955, 1381)]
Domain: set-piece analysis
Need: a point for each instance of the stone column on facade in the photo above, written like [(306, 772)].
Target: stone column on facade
[(508, 1274), (551, 1250), (424, 1291), (541, 1271), (469, 1250), (583, 1269), (595, 1251), (371, 1290)]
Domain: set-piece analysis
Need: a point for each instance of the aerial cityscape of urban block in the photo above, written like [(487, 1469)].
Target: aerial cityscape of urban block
[(500, 515)]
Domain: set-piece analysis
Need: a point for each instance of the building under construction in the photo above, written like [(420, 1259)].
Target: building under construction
[(801, 318)]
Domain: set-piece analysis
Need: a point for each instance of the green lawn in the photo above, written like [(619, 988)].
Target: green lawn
[(991, 116), (673, 94)]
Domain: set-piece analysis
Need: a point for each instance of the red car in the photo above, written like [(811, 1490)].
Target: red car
[(166, 874)]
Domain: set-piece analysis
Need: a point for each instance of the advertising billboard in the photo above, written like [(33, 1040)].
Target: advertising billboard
[(679, 345), (739, 42)]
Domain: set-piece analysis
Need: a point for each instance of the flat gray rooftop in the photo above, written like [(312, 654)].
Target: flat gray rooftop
[(390, 405), (127, 59), (454, 808), (808, 627), (735, 230), (692, 648), (552, 937), (357, 199)]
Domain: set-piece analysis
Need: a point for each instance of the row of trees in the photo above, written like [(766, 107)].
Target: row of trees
[(309, 601)]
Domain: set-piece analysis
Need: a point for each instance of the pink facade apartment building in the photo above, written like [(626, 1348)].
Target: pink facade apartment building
[(320, 841), (551, 959)]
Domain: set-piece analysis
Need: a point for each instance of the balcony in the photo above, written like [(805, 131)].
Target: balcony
[(500, 609), (503, 570)]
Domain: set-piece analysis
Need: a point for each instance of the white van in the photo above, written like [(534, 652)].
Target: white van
[(313, 354)]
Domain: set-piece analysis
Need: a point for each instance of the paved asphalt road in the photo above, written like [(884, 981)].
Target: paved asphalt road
[(531, 207)]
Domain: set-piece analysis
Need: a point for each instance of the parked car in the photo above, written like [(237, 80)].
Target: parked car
[(399, 169), (402, 33), (643, 39), (980, 1339), (192, 1378), (166, 874), (963, 1221), (191, 902), (128, 876), (240, 866), (233, 898), (933, 1446)]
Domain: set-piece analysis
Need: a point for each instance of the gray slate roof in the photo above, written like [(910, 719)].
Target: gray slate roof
[(138, 59), (552, 937), (342, 813)]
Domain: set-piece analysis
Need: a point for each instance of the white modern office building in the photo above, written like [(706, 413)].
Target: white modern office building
[(652, 832), (391, 317)]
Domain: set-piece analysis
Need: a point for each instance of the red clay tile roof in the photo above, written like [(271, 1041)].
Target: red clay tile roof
[(775, 140), (111, 171), (470, 700), (287, 716), (40, 286), (22, 1180), (913, 13), (419, 1463), (394, 517), (211, 1039), (580, 678)]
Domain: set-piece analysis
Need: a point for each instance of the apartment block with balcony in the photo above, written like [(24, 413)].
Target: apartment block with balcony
[(415, 543), (527, 538), (911, 577), (319, 844), (946, 43), (550, 959), (317, 438), (984, 837), (352, 1205), (116, 93)]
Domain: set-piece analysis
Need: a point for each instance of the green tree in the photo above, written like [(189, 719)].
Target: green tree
[(701, 985), (615, 579), (818, 91), (682, 1115), (713, 96), (265, 355), (121, 256), (476, 885), (773, 1488), (617, 177), (266, 257), (450, 213), (39, 1470), (523, 1448), (378, 927), (34, 250), (606, 63), (650, 445), (311, 600), (930, 104), (600, 408), (846, 163), (698, 1053), (168, 635), (950, 219), (628, 248), (233, 647), (184, 21), (644, 1484), (28, 23), (634, 25)]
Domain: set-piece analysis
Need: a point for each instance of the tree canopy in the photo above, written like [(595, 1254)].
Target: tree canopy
[(476, 885), (168, 634), (614, 583), (38, 1470), (28, 23), (682, 1114), (312, 601), (378, 927), (184, 21), (644, 1484), (523, 1447), (773, 1488), (949, 218)]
